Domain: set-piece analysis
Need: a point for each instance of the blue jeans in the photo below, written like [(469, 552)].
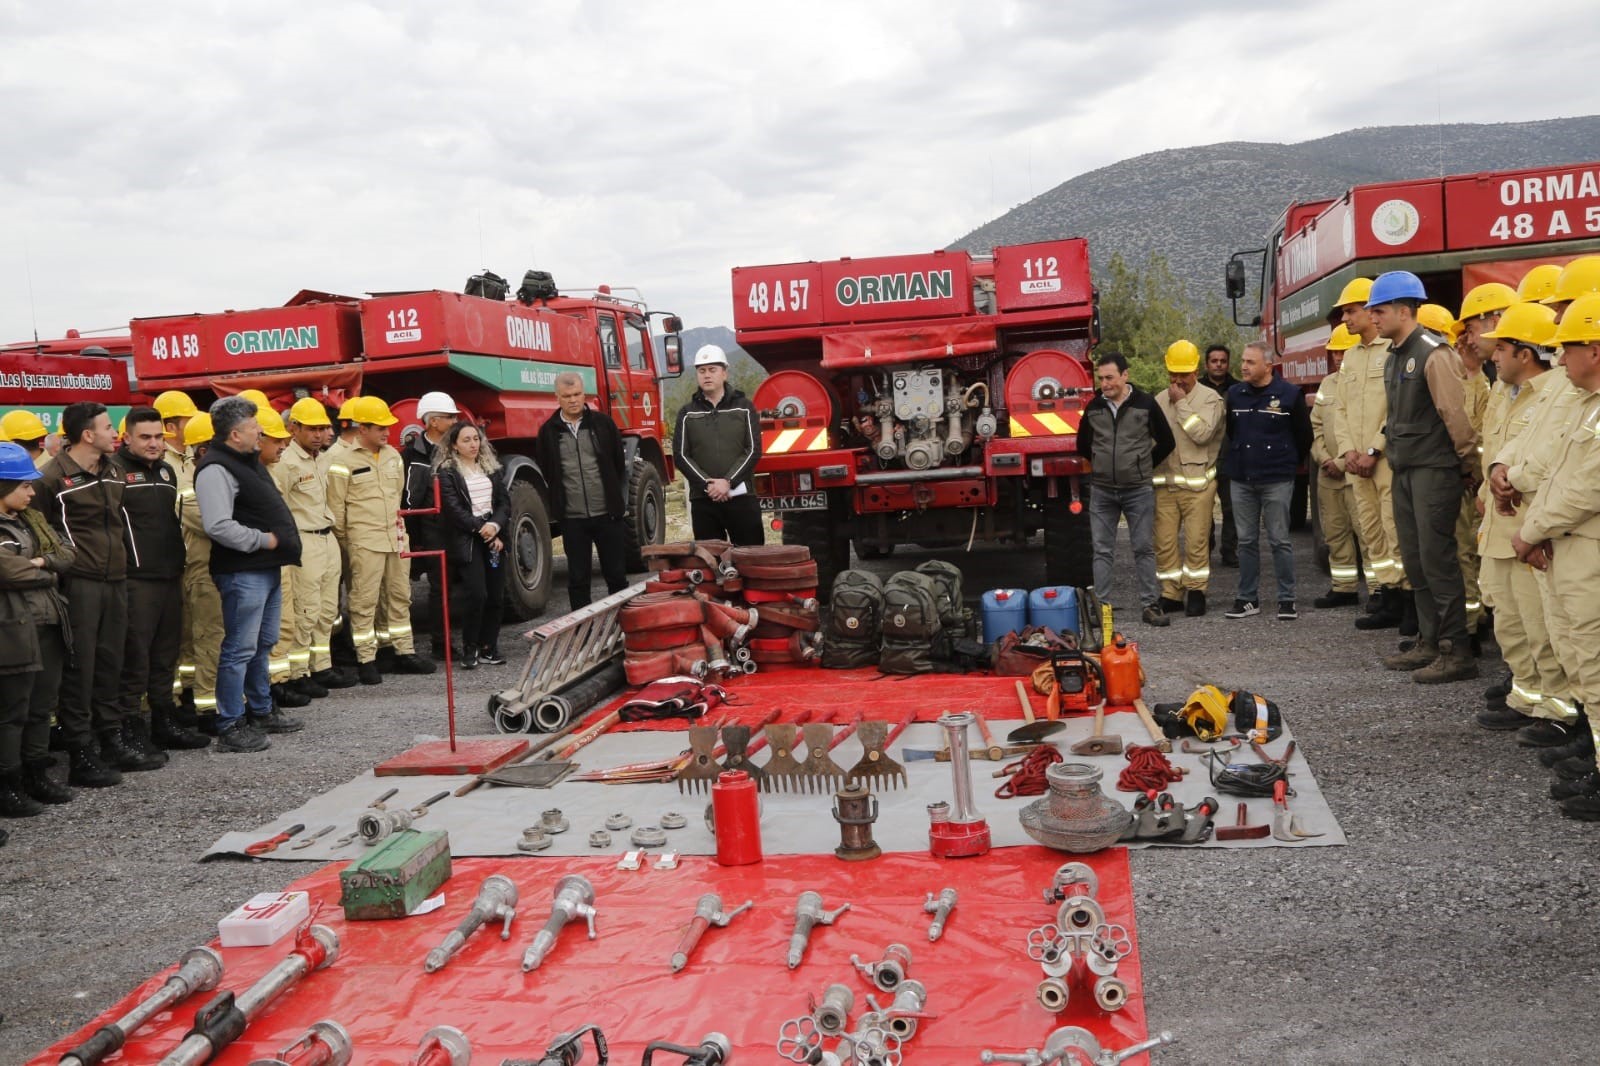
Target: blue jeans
[(1106, 507), (252, 608), (1253, 505)]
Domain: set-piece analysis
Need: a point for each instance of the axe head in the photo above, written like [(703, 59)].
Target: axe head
[(1101, 745)]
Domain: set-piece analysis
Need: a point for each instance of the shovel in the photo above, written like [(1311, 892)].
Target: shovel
[(1285, 826), (1033, 731), (1099, 743)]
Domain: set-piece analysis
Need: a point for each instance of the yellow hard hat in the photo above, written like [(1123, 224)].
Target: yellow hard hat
[(1580, 276), (122, 426), (1527, 322), (1341, 339), (347, 409), (370, 410), (271, 423), (198, 430), (257, 397), (1356, 291), (1438, 318), (308, 411), (174, 404), (1182, 357), (1581, 323), (1485, 299), (22, 425), (1538, 283)]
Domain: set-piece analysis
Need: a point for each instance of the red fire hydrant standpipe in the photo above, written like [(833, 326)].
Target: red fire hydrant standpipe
[(444, 595)]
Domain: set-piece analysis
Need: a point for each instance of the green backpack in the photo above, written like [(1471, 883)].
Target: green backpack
[(954, 616), (911, 625), (854, 622)]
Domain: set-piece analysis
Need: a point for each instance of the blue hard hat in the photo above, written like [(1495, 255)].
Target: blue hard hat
[(15, 463), (1396, 285)]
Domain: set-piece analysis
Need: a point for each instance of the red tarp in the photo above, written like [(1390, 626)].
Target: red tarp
[(980, 982), (906, 344), (840, 696)]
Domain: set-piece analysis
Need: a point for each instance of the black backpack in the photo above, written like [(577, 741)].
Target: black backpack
[(854, 621), (954, 616), (911, 626)]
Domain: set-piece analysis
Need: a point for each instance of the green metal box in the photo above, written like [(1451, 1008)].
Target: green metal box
[(393, 878)]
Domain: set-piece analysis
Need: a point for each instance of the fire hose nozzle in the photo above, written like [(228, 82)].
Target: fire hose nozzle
[(199, 970), (707, 912), (887, 972), (497, 898), (808, 914), (443, 1045), (940, 908), (326, 1043), (574, 898)]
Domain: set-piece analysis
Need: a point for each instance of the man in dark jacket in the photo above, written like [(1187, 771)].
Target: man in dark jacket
[(580, 451), (1125, 436), (1269, 433), (717, 443), (1218, 377), (81, 494), (437, 412), (253, 535), (155, 585)]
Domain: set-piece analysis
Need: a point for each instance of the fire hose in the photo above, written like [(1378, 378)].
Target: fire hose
[(219, 1023), (199, 970)]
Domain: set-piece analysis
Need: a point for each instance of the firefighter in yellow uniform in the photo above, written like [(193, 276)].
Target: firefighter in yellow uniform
[(1524, 343), (1186, 483), (176, 409), (1358, 434), (202, 605), (1336, 515), (365, 482), (315, 582), (1481, 309), (1560, 533)]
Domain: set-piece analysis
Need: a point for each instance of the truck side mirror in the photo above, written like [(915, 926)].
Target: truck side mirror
[(672, 324), (1234, 278), (672, 351)]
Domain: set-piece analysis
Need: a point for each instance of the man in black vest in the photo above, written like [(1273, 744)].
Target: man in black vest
[(253, 536), (1433, 452), (1220, 378)]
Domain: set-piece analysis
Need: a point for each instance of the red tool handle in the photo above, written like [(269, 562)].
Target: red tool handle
[(894, 734), (1280, 793), (261, 847), (759, 742), (845, 734)]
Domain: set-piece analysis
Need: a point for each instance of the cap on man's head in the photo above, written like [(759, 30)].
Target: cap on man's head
[(709, 355), (436, 403)]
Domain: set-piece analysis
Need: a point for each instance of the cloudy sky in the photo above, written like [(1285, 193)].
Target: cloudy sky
[(183, 156)]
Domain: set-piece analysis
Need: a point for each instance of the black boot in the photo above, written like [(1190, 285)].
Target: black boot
[(284, 696), (1388, 613), (167, 731), (38, 783), (14, 802), (87, 769), (116, 752), (309, 686), (1580, 746), (335, 678), (136, 735), (1408, 615)]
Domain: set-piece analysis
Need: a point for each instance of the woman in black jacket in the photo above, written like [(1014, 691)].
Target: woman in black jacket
[(476, 508)]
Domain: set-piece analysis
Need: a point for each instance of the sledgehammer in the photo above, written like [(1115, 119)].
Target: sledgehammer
[(1241, 829)]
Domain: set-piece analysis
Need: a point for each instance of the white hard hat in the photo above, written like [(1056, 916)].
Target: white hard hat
[(708, 354), (436, 403)]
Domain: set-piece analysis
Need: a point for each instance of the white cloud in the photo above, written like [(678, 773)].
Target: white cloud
[(193, 156)]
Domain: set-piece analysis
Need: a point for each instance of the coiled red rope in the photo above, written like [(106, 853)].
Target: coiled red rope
[(1027, 773), (1148, 769)]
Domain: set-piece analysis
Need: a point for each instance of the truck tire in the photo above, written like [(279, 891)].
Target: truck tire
[(647, 511), (872, 551), (1068, 543), (824, 533), (527, 564)]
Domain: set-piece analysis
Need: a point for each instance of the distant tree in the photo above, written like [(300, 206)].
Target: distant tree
[(1143, 310)]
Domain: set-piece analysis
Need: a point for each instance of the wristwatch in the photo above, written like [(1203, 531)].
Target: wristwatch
[(1373, 453)]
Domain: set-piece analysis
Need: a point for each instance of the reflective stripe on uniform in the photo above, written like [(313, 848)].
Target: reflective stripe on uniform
[(205, 703), (1349, 572), (1202, 573), (339, 468), (396, 631), (1168, 575)]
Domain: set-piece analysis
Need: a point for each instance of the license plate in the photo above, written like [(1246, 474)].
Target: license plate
[(807, 501)]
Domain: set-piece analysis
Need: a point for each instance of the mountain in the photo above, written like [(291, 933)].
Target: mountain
[(1196, 205)]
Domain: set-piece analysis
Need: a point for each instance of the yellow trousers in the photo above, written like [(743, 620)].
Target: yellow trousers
[(1573, 576), (1187, 567), (1539, 686), (380, 584), (202, 609), (1336, 516), (1467, 554), (1374, 508)]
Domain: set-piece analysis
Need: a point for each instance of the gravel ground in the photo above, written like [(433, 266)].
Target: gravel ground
[(1463, 904)]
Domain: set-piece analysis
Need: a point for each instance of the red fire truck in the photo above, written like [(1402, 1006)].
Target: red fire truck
[(1453, 232), (930, 399), (497, 358), (45, 376)]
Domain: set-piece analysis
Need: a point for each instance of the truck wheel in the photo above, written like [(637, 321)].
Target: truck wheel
[(1068, 543), (528, 567), (647, 511), (872, 551), (824, 533)]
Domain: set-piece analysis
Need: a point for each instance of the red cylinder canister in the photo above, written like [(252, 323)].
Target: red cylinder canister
[(1120, 669), (737, 811)]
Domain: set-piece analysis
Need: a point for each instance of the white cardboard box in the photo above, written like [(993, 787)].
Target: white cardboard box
[(264, 919)]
